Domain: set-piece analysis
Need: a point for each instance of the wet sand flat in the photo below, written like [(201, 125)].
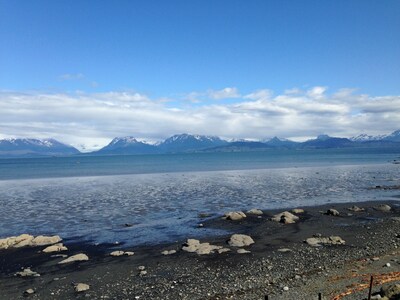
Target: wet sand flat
[(280, 264)]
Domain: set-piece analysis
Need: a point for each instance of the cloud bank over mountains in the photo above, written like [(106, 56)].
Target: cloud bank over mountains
[(89, 121)]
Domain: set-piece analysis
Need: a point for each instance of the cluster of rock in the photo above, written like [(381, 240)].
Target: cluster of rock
[(390, 292), (193, 245), (27, 240), (355, 208), (168, 252), (318, 240), (236, 240), (121, 253)]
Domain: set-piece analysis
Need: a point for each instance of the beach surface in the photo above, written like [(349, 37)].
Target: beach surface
[(279, 264)]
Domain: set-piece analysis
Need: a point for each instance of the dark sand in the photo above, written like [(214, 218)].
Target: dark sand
[(305, 270)]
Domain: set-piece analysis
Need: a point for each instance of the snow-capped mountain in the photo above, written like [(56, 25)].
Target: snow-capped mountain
[(366, 137), (187, 142), (34, 147), (127, 145), (392, 137)]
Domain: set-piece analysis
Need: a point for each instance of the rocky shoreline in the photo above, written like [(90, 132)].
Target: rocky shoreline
[(296, 254)]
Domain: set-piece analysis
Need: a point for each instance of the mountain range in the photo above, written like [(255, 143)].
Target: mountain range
[(34, 147), (187, 143)]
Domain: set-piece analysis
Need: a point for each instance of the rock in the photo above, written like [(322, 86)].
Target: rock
[(42, 240), (200, 225), (240, 240), (243, 251), (143, 272), (285, 218), (55, 248), (298, 211), (25, 240), (356, 208), (168, 252), (375, 258), (120, 253), (388, 265), (29, 292), (76, 257), (332, 212), (27, 273), (285, 288), (193, 245), (117, 253), (383, 207), (318, 241), (391, 291), (81, 287), (223, 250), (255, 211), (283, 250), (128, 225), (141, 268), (235, 215)]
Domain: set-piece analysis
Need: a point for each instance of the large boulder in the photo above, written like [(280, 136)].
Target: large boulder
[(73, 258), (332, 212), (55, 248), (285, 218), (240, 240), (383, 207), (255, 211), (235, 215)]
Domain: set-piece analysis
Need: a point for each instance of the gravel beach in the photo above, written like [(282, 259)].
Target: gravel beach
[(279, 264)]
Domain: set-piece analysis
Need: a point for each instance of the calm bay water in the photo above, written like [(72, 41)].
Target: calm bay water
[(91, 198)]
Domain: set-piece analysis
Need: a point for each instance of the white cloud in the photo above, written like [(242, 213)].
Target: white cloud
[(226, 93), (259, 95), (91, 120), (77, 76), (317, 92)]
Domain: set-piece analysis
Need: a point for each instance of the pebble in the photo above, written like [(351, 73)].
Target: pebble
[(387, 265), (29, 291), (168, 252), (243, 251), (285, 288)]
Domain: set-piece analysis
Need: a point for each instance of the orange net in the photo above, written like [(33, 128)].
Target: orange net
[(379, 279)]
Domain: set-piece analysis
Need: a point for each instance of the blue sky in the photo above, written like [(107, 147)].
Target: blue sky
[(189, 54)]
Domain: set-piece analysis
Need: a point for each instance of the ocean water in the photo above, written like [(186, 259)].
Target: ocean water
[(92, 198)]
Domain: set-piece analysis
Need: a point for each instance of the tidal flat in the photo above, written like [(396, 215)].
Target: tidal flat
[(279, 264)]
